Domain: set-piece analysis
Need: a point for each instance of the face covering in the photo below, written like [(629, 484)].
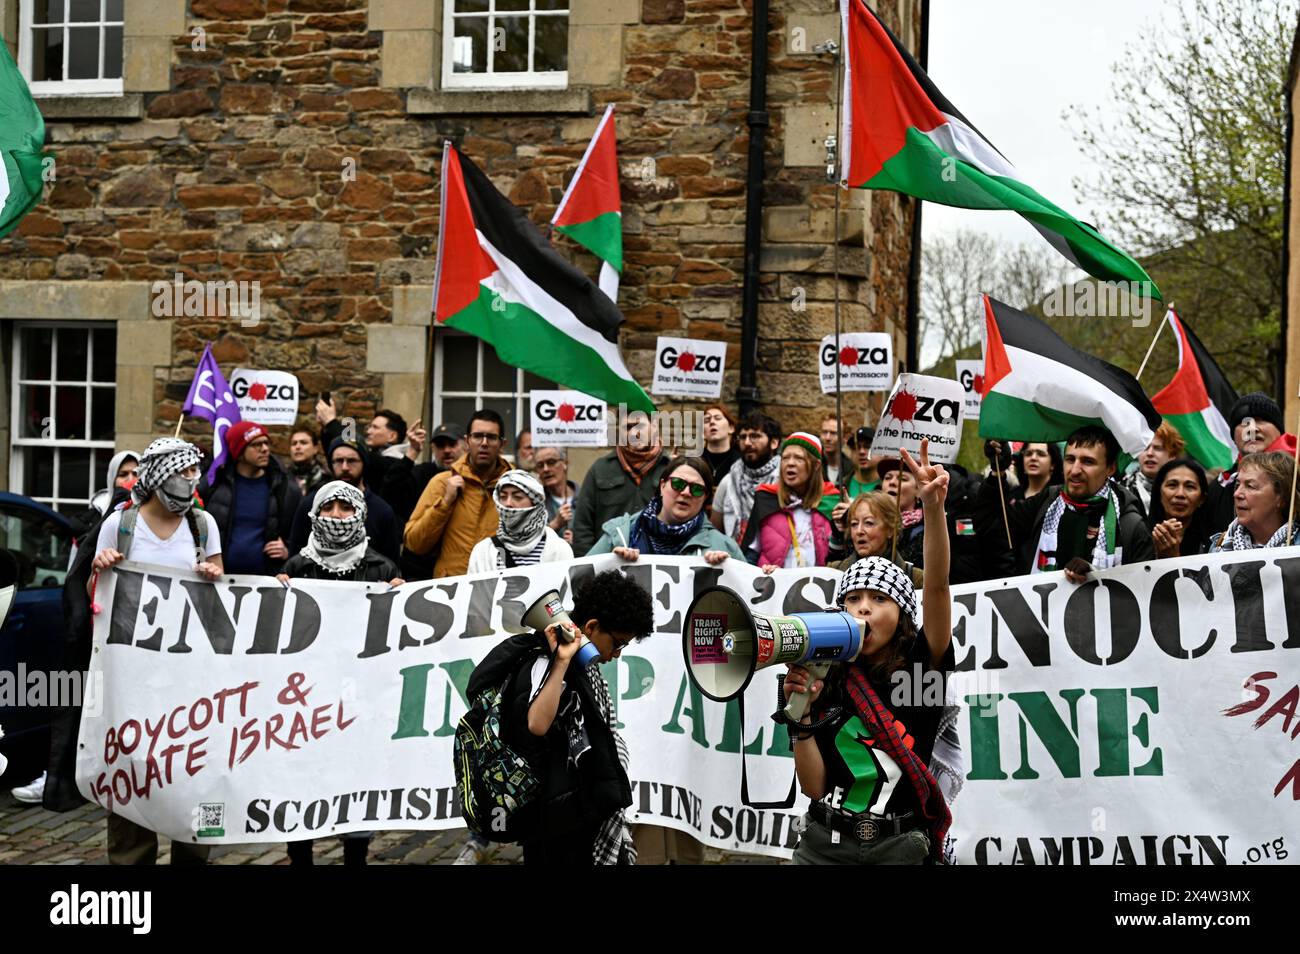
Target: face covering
[(177, 492)]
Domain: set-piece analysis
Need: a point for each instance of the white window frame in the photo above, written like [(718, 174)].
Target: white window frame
[(531, 79), (18, 444), (520, 395), (67, 87)]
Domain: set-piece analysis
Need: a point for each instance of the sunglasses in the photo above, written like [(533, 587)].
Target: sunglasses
[(679, 484)]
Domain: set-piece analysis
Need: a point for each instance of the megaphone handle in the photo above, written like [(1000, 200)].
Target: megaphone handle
[(797, 706), (563, 633)]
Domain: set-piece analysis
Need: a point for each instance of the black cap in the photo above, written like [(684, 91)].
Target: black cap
[(448, 432), (1259, 405), (863, 435)]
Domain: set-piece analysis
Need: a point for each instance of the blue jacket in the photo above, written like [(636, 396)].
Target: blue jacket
[(705, 539)]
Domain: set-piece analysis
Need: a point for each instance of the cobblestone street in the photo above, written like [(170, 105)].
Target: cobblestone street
[(31, 835)]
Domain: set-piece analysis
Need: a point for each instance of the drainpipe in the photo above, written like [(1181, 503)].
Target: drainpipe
[(914, 263), (747, 396)]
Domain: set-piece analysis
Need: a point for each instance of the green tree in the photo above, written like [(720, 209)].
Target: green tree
[(1192, 152)]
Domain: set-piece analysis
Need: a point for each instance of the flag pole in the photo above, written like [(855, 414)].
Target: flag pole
[(1161, 327), (1295, 460), (179, 422), (1006, 521), (835, 253)]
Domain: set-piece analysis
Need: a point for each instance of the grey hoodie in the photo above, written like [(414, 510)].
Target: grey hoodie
[(102, 497)]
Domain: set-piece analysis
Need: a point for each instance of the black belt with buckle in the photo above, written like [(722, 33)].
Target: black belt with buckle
[(864, 826)]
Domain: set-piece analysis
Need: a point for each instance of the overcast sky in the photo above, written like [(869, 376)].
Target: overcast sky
[(1012, 67)]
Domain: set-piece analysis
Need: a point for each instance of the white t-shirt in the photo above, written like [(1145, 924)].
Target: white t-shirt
[(176, 551)]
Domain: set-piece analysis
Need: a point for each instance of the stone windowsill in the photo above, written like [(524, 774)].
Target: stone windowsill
[(64, 108), (439, 102)]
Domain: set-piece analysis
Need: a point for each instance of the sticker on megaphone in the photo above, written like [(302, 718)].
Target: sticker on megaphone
[(548, 610)]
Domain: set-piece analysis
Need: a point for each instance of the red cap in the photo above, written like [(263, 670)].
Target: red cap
[(239, 436)]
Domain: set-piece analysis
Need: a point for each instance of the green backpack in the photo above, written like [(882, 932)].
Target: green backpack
[(496, 786)]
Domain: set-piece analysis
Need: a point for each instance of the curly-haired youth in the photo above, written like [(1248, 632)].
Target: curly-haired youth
[(616, 602)]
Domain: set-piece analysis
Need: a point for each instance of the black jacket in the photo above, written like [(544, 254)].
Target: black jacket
[(373, 568), (381, 525), (282, 504), (1025, 518), (573, 798)]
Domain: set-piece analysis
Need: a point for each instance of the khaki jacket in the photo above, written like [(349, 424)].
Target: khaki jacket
[(457, 527)]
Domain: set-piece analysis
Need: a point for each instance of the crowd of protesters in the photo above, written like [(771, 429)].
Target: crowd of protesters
[(361, 503)]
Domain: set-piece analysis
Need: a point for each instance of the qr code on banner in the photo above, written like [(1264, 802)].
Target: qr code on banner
[(210, 820)]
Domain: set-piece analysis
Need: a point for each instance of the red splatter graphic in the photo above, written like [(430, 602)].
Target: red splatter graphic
[(686, 361), (848, 356), (903, 406), (565, 413), (979, 384), (257, 391)]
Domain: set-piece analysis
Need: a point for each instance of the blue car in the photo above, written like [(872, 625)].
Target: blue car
[(35, 543)]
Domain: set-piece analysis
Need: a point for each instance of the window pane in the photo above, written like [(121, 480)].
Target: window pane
[(39, 545), (99, 469), (74, 475), (112, 53), (104, 346), (83, 11), (532, 381), (70, 414), (34, 411), (506, 408), (83, 53), (38, 471), (113, 11), (497, 375), (459, 364), (551, 5), (552, 53), (457, 410), (48, 11), (47, 54), (510, 41), (512, 4), (37, 345), (72, 354), (471, 6), (469, 45), (102, 401)]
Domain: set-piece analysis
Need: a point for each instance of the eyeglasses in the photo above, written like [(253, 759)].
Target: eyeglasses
[(480, 438), (679, 484), (541, 464)]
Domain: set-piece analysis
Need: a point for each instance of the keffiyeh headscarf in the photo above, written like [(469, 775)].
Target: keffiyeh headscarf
[(164, 458), (745, 480), (337, 544), (877, 573), (1237, 537), (1100, 510), (520, 528)]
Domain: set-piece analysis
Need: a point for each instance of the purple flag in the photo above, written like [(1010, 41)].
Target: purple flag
[(210, 399)]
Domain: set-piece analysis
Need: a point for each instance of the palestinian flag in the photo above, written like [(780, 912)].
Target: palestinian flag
[(22, 137), (1037, 388), (1198, 401), (499, 280), (900, 133), (591, 212)]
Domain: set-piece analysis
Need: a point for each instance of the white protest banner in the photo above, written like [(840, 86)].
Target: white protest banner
[(567, 419), (865, 358), (265, 397), (970, 375), (689, 367), (921, 406), (1141, 718)]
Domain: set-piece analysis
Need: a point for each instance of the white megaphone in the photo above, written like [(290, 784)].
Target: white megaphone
[(725, 644), (548, 610)]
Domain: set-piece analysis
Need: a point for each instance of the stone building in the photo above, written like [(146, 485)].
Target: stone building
[(296, 144)]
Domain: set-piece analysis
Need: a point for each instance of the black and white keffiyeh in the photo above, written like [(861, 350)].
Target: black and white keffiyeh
[(337, 544), (745, 481), (161, 459), (881, 575), (1237, 537), (614, 844), (520, 529)]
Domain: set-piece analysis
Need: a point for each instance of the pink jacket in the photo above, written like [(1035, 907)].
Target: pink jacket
[(774, 537)]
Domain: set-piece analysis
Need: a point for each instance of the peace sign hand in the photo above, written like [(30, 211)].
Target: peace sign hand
[(931, 479)]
